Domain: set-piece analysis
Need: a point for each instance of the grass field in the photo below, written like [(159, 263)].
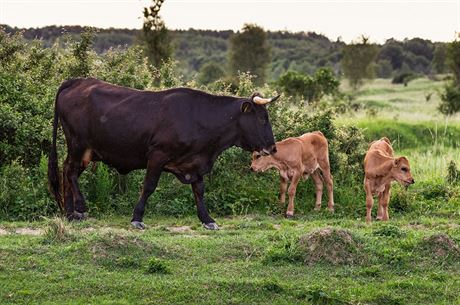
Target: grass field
[(252, 260), (317, 258)]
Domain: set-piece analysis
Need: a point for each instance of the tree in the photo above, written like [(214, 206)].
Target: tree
[(155, 36), (210, 72), (439, 58), (357, 61), (450, 103), (312, 88), (250, 52)]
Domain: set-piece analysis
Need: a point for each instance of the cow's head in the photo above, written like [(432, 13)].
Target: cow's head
[(401, 171), (255, 129)]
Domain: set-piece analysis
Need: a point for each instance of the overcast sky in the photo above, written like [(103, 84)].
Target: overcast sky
[(437, 20)]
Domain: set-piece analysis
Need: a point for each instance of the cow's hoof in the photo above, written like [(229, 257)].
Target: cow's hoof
[(78, 216), (331, 210), (289, 216), (138, 225), (211, 226), (317, 208)]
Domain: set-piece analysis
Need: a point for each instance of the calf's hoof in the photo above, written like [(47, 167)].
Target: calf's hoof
[(138, 225), (331, 210), (211, 226), (317, 208), (289, 216)]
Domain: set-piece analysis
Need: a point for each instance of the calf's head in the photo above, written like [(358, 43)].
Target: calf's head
[(254, 125), (259, 163), (401, 171)]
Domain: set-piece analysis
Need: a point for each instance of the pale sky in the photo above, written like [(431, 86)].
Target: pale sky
[(437, 20)]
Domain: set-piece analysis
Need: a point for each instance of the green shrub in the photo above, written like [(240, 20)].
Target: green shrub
[(155, 265), (24, 194), (312, 88)]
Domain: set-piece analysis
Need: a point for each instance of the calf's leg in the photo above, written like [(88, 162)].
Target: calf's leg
[(385, 202), (283, 189), (369, 200), (326, 171), (203, 215), (319, 189), (291, 192)]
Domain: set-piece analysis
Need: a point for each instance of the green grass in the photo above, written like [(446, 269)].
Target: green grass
[(407, 104), (106, 262)]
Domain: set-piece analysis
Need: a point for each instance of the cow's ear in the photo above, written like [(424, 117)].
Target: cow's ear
[(246, 107)]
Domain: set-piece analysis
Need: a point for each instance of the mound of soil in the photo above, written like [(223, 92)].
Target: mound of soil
[(120, 250), (440, 246), (330, 246)]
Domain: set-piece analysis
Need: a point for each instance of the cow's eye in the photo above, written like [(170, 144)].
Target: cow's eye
[(404, 169), (258, 156)]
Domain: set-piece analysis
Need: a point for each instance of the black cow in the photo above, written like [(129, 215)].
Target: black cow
[(181, 131)]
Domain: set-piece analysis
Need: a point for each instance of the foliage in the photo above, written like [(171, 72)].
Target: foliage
[(440, 58), (250, 52), (453, 174), (304, 52), (450, 103), (404, 78), (451, 96), (155, 36), (80, 65), (210, 72), (312, 88), (357, 61), (24, 193)]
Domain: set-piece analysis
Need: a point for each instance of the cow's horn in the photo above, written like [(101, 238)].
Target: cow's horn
[(262, 101)]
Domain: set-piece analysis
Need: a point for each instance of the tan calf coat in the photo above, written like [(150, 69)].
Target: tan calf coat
[(380, 169), (307, 155)]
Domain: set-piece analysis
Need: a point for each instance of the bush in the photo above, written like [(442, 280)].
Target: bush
[(404, 78), (450, 100), (24, 194), (311, 88)]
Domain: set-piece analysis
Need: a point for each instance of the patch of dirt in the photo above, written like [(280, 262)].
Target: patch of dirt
[(181, 229), (28, 231), (3, 232), (440, 245), (330, 246)]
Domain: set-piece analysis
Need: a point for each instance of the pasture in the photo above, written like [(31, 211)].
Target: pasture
[(258, 257)]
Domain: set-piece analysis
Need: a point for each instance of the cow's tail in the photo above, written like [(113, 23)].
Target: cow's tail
[(53, 167)]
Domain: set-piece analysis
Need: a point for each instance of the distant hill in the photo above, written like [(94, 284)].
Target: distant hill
[(301, 51)]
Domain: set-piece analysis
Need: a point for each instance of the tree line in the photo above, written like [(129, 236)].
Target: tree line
[(201, 51)]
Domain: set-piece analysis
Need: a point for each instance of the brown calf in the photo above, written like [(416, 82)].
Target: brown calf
[(380, 169), (298, 157)]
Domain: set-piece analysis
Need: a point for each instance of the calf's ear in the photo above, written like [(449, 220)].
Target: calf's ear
[(397, 161), (246, 107)]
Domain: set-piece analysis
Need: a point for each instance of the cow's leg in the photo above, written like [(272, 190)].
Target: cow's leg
[(369, 200), (203, 215), (74, 171), (326, 171), (319, 189), (67, 188), (154, 169), (283, 189), (291, 192), (385, 202)]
